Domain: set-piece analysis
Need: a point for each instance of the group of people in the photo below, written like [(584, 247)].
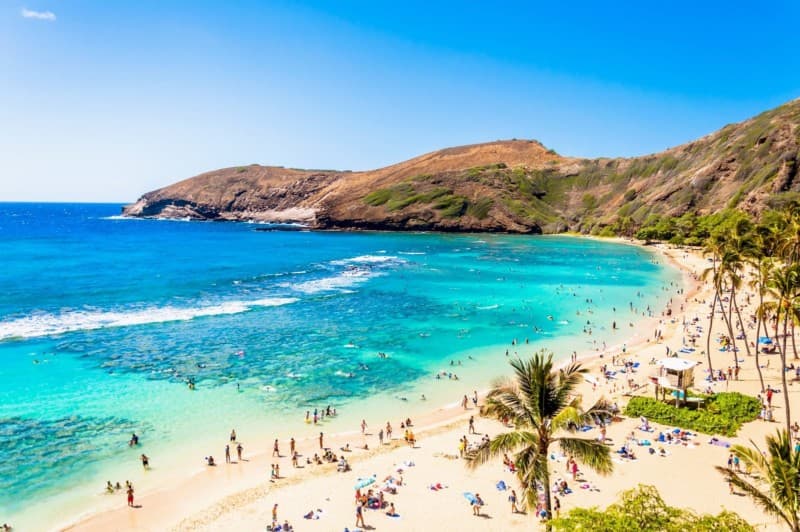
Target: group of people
[(112, 488)]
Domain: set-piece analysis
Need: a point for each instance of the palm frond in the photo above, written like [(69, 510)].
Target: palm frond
[(594, 454)]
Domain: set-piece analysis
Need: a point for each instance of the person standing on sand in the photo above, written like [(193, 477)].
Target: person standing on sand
[(464, 402), (233, 435), (388, 431), (380, 437), (275, 449), (239, 450), (363, 426), (320, 441), (360, 515), (472, 424), (476, 505), (275, 513), (145, 462), (130, 495), (227, 454), (292, 446), (513, 500)]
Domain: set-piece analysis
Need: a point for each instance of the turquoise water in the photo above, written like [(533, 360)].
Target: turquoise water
[(103, 321)]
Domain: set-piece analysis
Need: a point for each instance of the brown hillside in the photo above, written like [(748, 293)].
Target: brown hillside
[(514, 186)]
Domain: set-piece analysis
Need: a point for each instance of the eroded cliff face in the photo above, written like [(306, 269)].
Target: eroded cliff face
[(507, 186)]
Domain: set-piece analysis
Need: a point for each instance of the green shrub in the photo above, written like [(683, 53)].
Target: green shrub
[(724, 413), (643, 509), (379, 197), (480, 209)]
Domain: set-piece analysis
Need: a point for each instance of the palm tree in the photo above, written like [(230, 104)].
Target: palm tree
[(541, 404), (784, 284), (761, 260), (714, 248), (776, 488)]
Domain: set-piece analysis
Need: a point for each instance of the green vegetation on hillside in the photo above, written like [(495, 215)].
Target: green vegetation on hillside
[(441, 199)]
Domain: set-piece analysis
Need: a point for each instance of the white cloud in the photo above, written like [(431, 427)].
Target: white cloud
[(39, 15)]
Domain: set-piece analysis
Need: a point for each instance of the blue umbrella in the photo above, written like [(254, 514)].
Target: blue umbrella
[(364, 482), (765, 340)]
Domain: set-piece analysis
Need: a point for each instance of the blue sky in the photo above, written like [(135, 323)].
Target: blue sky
[(102, 101)]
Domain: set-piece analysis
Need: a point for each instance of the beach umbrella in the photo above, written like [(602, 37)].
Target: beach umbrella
[(364, 482), (765, 340)]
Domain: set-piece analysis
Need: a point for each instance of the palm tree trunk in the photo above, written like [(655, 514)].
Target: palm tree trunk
[(731, 335), (759, 322), (547, 503), (794, 344), (708, 337), (783, 374)]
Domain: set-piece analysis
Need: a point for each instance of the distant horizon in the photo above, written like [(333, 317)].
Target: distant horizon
[(105, 102)]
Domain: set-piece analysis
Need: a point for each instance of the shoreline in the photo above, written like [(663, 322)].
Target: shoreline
[(250, 483)]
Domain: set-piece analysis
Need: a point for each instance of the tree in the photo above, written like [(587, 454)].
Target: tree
[(540, 403), (775, 487), (643, 509), (784, 283)]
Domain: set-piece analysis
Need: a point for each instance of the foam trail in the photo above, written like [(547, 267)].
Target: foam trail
[(49, 324), (338, 282), (368, 259)]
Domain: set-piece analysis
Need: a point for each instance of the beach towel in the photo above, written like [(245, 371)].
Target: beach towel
[(644, 443), (719, 443)]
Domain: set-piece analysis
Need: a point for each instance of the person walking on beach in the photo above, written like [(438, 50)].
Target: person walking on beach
[(275, 513), (388, 431), (233, 435), (227, 454), (321, 446), (130, 495), (363, 426), (239, 450), (145, 462), (476, 505), (292, 446), (464, 402), (360, 515), (472, 424), (513, 500), (475, 398), (380, 437), (275, 449)]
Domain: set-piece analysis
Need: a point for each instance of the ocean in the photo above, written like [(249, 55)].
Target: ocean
[(104, 321)]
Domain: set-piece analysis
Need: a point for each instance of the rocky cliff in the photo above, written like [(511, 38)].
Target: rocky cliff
[(508, 186)]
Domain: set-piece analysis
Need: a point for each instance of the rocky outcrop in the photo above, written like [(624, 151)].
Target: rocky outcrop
[(514, 186)]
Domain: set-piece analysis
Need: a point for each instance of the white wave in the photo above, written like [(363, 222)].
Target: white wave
[(339, 282), (145, 218), (367, 259), (411, 253), (489, 307), (46, 324)]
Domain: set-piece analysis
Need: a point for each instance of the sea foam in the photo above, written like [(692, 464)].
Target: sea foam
[(46, 324)]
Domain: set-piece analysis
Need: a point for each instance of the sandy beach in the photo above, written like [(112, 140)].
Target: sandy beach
[(430, 478)]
